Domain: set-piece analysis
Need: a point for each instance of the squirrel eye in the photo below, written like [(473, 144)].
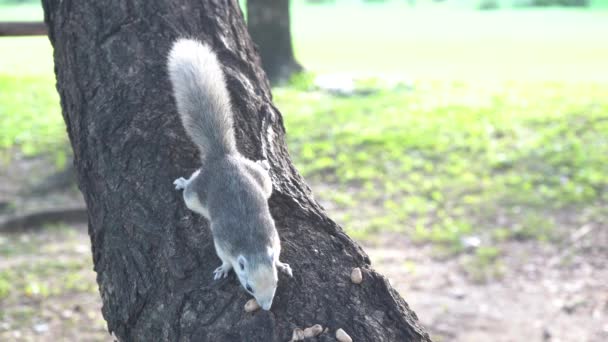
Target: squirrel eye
[(249, 288), (242, 265)]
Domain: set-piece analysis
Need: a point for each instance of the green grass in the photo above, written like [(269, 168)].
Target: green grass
[(35, 126), (442, 160), (30, 116)]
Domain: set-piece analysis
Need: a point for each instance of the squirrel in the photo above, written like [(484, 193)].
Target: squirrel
[(229, 190)]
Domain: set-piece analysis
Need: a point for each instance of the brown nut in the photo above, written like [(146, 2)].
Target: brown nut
[(313, 331), (342, 336), (356, 276), (252, 305)]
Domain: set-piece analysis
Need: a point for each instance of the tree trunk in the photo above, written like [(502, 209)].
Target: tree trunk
[(154, 258), (269, 27)]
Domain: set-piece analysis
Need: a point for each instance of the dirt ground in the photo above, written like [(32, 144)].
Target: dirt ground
[(539, 291), (532, 301)]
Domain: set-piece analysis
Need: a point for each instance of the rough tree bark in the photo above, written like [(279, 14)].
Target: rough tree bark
[(269, 27), (154, 259)]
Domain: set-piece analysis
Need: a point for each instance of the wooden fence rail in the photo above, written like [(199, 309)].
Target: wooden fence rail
[(22, 28)]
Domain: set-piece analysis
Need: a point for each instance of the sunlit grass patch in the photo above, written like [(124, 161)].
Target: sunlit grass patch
[(443, 160), (48, 287), (30, 117)]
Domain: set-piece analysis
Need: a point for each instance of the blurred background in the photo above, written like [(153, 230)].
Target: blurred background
[(463, 143)]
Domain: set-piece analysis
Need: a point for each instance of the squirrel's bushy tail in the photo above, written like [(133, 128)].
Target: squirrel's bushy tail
[(202, 98)]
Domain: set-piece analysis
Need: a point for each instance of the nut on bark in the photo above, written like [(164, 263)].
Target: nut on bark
[(298, 335), (313, 331), (356, 276), (342, 336), (252, 305)]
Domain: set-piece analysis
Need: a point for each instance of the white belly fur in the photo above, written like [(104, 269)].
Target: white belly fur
[(192, 201), (194, 204)]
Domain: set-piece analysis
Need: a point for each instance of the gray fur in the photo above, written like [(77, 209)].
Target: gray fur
[(229, 190), (201, 96)]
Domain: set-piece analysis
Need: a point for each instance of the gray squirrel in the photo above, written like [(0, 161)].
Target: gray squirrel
[(229, 190)]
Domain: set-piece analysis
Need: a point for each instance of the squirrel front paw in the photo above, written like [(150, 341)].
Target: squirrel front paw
[(285, 268), (180, 183), (221, 272)]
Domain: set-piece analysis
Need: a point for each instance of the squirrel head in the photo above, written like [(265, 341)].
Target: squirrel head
[(258, 275)]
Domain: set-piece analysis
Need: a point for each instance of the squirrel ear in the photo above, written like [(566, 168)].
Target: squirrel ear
[(242, 262)]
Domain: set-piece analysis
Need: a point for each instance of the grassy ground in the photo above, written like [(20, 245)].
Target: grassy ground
[(446, 160), (47, 287), (39, 279)]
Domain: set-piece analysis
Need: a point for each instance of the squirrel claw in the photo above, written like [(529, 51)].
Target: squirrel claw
[(285, 268), (180, 183), (220, 272)]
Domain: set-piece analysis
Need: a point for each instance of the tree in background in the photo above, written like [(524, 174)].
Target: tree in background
[(153, 257), (269, 26)]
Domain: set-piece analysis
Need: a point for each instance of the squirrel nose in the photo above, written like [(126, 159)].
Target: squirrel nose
[(266, 305)]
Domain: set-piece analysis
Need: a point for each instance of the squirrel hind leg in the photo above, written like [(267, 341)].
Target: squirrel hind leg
[(259, 172), (194, 203)]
